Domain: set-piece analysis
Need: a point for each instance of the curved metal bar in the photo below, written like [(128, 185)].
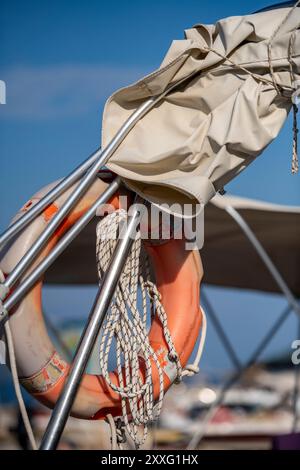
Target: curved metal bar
[(101, 158), (102, 302), (265, 258), (35, 275), (235, 377), (35, 210)]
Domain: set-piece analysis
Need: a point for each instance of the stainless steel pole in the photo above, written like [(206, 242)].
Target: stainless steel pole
[(39, 270), (102, 302), (265, 258), (37, 208), (102, 157)]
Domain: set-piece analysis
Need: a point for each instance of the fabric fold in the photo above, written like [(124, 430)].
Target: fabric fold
[(209, 129)]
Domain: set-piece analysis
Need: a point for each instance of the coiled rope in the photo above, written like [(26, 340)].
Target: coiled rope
[(127, 323)]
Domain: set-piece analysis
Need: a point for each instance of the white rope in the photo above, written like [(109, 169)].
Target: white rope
[(14, 372), (128, 326)]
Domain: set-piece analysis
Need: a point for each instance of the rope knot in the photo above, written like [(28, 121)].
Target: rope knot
[(153, 292), (126, 322), (117, 430), (173, 356), (120, 431), (191, 369)]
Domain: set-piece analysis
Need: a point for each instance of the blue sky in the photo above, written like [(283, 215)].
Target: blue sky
[(60, 61)]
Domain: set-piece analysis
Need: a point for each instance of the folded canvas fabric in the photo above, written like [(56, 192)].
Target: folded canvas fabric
[(209, 129)]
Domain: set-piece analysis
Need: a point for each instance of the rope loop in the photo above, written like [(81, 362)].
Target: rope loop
[(125, 331), (153, 292)]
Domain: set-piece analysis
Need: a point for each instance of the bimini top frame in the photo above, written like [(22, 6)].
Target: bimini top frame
[(240, 369), (87, 172)]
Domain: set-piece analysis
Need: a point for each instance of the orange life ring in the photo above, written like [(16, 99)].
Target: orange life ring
[(42, 371)]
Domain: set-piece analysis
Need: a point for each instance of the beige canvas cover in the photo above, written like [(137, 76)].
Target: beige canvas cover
[(208, 130)]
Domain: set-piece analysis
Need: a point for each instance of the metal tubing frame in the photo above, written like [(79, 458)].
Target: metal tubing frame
[(220, 331), (91, 166), (100, 158), (265, 258), (102, 302), (72, 200), (39, 270), (293, 305), (236, 376), (37, 208)]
